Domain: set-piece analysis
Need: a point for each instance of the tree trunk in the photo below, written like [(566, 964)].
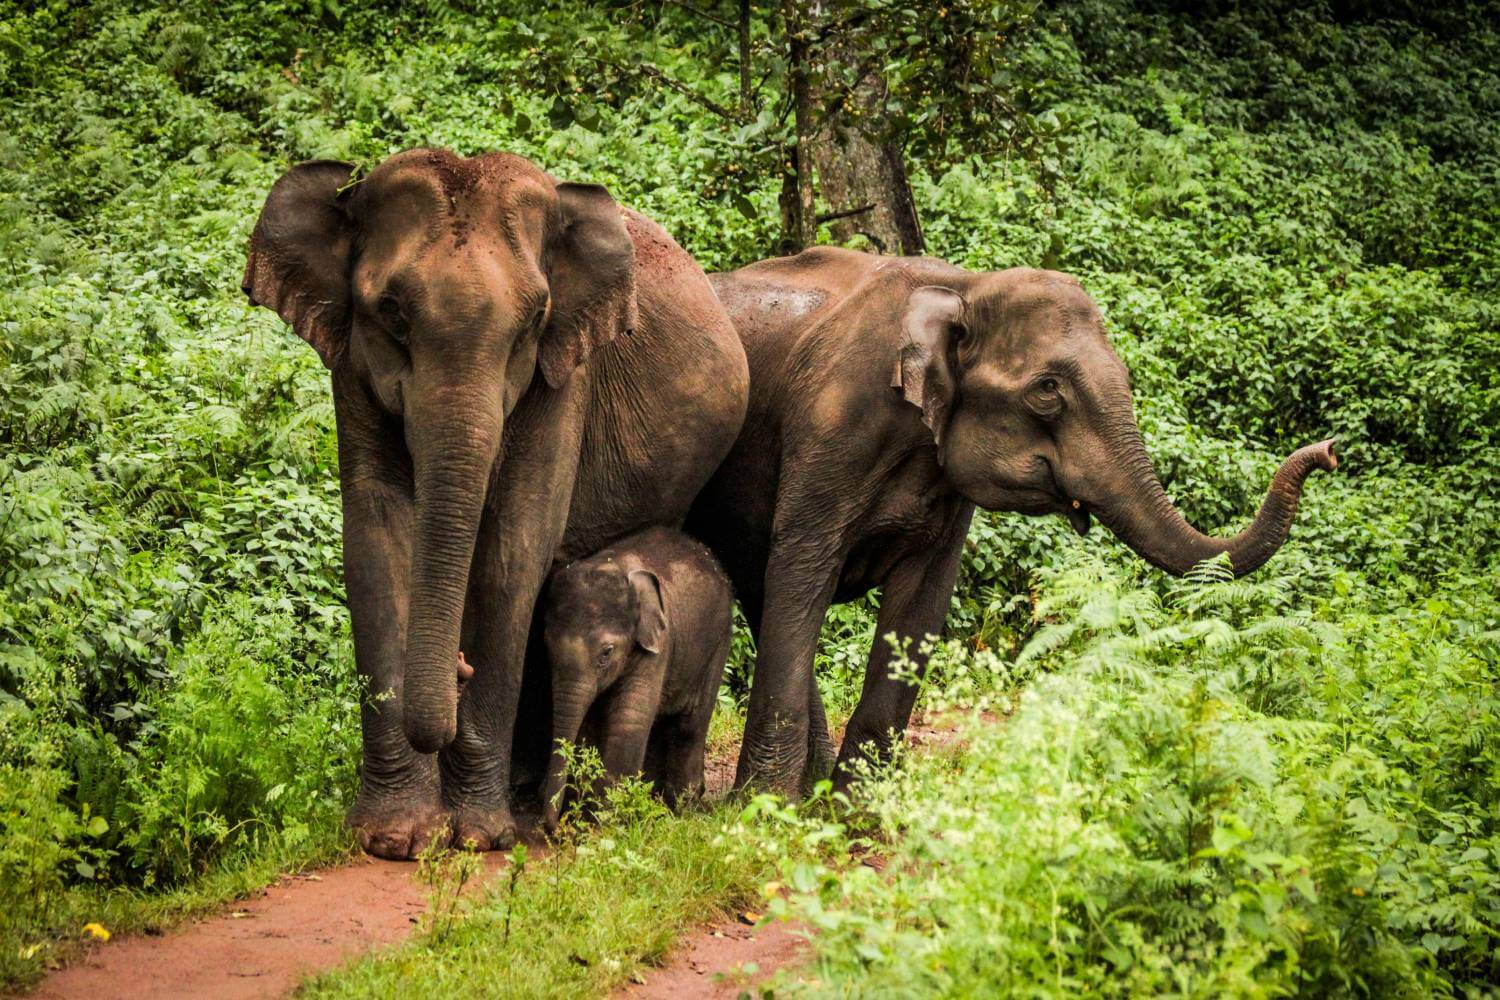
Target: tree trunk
[(799, 218), (747, 95), (862, 171), (865, 188)]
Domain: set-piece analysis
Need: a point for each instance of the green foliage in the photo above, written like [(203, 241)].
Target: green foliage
[(1214, 794), (248, 748), (447, 871)]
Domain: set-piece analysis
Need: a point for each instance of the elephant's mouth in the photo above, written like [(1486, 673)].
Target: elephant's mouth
[(1077, 513), (1075, 510), (1037, 502)]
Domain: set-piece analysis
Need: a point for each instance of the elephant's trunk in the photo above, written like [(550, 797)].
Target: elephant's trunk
[(570, 703), (1145, 519), (454, 448)]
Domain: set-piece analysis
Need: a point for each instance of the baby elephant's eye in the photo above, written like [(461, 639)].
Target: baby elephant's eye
[(605, 651)]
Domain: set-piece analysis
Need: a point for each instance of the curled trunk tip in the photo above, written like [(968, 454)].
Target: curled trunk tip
[(1322, 453)]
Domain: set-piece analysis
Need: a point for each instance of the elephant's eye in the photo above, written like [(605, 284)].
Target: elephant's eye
[(1045, 396), (605, 651), (393, 317)]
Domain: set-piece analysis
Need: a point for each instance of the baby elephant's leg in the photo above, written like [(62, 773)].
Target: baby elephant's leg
[(684, 739), (627, 727)]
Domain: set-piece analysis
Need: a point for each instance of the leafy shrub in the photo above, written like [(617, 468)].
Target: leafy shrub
[(1216, 793), (249, 747)]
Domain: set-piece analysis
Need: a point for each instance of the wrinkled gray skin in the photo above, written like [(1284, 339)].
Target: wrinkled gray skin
[(636, 638), (522, 371), (889, 396)]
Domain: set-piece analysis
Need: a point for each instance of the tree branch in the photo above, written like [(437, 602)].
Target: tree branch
[(846, 213), (747, 96), (651, 71), (716, 19)]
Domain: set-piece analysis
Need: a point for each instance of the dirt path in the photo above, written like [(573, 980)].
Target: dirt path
[(722, 960), (263, 946)]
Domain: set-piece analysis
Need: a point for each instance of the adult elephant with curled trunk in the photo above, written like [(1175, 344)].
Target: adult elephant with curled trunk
[(523, 371), (889, 396)]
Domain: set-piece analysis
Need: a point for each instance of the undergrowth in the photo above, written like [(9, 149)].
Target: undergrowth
[(1216, 793)]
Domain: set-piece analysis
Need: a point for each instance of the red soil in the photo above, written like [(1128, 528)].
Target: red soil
[(713, 962), (264, 945)]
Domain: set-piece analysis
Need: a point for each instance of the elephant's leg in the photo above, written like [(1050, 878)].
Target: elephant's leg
[(684, 738), (398, 809), (681, 744), (913, 605), (801, 576), (628, 719), (820, 751), (658, 752), (522, 527), (820, 757)]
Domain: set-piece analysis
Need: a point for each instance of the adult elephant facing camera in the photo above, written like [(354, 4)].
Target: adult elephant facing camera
[(888, 397), (522, 371)]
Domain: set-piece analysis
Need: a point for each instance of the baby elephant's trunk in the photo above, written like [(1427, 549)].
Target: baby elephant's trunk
[(570, 703)]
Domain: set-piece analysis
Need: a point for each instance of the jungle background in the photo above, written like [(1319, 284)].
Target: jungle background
[(1290, 216)]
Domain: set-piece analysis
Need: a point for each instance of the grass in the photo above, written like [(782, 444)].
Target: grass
[(581, 918), (1213, 794)]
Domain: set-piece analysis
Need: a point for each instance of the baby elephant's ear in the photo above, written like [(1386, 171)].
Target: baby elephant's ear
[(651, 612)]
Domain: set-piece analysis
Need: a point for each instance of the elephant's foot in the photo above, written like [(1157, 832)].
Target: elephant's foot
[(483, 828), (820, 757), (845, 776), (791, 767), (677, 795), (397, 828), (551, 820), (863, 754), (772, 767)]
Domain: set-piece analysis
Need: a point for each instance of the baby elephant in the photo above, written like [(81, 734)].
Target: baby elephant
[(637, 635)]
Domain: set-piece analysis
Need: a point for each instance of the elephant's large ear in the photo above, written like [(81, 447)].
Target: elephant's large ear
[(299, 255), (651, 611), (933, 325), (591, 274)]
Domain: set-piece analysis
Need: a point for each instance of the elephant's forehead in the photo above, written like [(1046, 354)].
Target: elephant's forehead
[(1028, 326), (456, 178), (1050, 301), (589, 594), (1037, 326)]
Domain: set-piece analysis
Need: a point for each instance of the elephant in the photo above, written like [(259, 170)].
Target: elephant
[(523, 371), (637, 636), (889, 398)]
